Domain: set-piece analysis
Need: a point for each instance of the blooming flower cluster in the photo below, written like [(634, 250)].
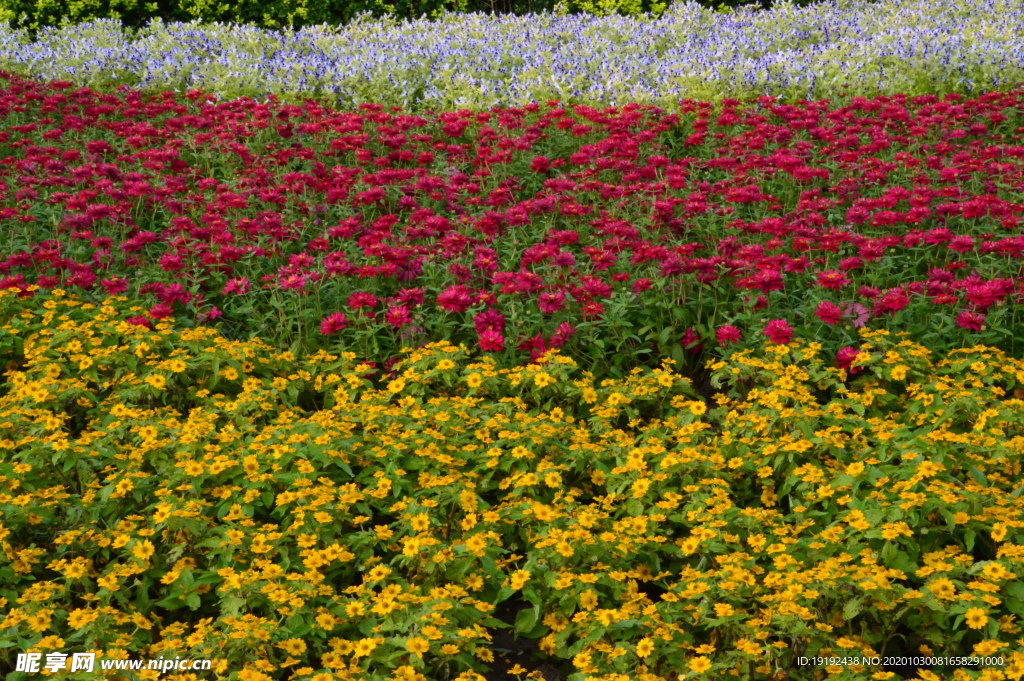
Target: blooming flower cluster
[(826, 49), (204, 497), (619, 236)]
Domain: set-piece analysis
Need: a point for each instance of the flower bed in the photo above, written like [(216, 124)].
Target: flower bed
[(169, 492), (827, 49), (619, 236)]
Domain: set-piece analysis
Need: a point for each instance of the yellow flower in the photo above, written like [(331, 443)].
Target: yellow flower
[(855, 469), (976, 618), (364, 647), (417, 645), (39, 622), (293, 646), (80, 618), (644, 647), (476, 544), (157, 381), (143, 550), (723, 610), (700, 664), (543, 379), (420, 522), (474, 380), (519, 578)]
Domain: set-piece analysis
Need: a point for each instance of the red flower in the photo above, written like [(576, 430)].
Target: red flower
[(140, 321), (893, 301), (455, 299), (728, 334), (845, 357), (691, 341), (211, 314), (829, 312), (778, 331), (641, 285), (361, 299), (236, 286), (114, 286), (489, 319), (333, 323), (160, 311), (970, 320), (397, 316), (833, 279), (562, 334), (492, 341), (550, 303), (593, 310)]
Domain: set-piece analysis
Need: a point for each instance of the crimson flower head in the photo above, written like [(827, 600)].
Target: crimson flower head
[(236, 286), (550, 303), (115, 286), (691, 340), (845, 357), (593, 310), (829, 312), (140, 321), (397, 316), (489, 319), (160, 311), (893, 301), (492, 341), (641, 285), (728, 334), (361, 299), (457, 298), (562, 334), (333, 323), (779, 331), (834, 279), (211, 314), (972, 321)]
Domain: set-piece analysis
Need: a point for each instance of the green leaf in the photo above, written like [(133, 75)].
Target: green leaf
[(366, 627), (1014, 598), (526, 619), (231, 606), (853, 608), (978, 476)]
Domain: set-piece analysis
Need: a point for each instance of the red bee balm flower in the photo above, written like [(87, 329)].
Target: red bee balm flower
[(397, 316), (829, 312), (845, 357), (492, 341), (333, 323), (970, 320), (778, 331), (728, 334)]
